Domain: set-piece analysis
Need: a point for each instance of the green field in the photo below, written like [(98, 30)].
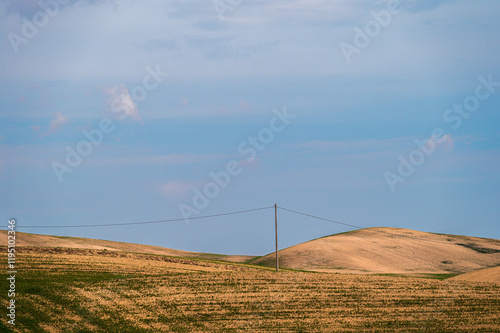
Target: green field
[(68, 290)]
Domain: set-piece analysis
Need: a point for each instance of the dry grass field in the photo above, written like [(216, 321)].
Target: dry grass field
[(89, 290)]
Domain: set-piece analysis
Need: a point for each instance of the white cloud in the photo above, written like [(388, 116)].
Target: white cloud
[(447, 143), (59, 121), (121, 103)]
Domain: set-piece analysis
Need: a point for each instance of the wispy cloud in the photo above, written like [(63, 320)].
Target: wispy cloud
[(56, 123), (155, 45), (172, 159), (423, 5), (176, 190), (351, 146), (228, 47), (59, 121)]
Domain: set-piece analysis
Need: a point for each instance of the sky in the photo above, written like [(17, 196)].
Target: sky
[(370, 113)]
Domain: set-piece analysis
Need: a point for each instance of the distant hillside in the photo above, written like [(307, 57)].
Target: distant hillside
[(491, 274), (372, 250), (26, 239), (390, 250)]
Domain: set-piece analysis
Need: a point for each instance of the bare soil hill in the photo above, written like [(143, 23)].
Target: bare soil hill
[(34, 240), (491, 274), (390, 250)]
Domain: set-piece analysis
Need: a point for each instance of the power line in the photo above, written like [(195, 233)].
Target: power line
[(358, 227), (225, 214), (144, 222), (322, 218)]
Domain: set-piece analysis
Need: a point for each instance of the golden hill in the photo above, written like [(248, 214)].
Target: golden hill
[(491, 274), (372, 250), (390, 250), (34, 240)]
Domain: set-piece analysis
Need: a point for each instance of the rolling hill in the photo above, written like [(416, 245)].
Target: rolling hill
[(34, 240), (365, 251), (491, 274), (389, 250)]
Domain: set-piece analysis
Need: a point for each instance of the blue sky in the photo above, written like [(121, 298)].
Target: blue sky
[(170, 93)]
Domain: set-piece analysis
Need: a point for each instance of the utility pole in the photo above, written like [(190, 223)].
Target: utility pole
[(276, 233)]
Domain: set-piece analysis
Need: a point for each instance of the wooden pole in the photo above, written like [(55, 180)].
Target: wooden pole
[(276, 233)]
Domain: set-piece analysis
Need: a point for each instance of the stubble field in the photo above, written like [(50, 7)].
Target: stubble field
[(73, 290)]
